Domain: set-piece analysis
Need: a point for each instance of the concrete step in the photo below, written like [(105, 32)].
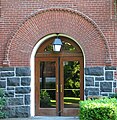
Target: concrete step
[(44, 118), (55, 118)]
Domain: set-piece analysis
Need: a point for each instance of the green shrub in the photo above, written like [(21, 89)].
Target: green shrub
[(2, 104), (45, 99), (98, 109)]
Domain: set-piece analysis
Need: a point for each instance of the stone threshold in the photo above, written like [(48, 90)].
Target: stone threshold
[(44, 118), (55, 118)]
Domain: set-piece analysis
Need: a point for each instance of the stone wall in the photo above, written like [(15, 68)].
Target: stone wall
[(16, 83), (100, 81)]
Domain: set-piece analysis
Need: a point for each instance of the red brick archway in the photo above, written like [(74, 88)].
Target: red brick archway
[(69, 22)]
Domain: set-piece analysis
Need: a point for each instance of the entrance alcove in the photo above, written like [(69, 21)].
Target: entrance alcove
[(59, 77), (29, 40)]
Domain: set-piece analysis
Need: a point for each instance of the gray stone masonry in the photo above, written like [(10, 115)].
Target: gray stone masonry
[(23, 71), (89, 81), (16, 83), (13, 81), (94, 71), (100, 81)]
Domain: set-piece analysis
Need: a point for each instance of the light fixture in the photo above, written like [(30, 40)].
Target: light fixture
[(57, 45)]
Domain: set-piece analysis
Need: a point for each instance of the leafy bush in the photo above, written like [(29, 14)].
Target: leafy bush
[(98, 109), (2, 104), (45, 99)]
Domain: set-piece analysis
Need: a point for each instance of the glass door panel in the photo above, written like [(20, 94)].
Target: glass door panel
[(71, 77), (71, 84), (47, 84), (58, 86)]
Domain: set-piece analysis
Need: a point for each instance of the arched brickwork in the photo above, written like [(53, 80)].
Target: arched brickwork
[(58, 20)]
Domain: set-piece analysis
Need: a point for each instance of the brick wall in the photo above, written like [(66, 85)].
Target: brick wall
[(23, 23), (59, 21), (15, 13)]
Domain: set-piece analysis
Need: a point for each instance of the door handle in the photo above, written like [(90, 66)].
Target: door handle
[(61, 88), (57, 88)]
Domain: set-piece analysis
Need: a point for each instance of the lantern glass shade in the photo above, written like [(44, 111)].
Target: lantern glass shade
[(57, 45)]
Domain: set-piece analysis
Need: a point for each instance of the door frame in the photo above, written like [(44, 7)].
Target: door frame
[(37, 86), (59, 102), (80, 60), (32, 64)]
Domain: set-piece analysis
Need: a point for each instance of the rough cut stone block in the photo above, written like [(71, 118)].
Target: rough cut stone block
[(11, 112), (23, 111), (104, 94), (15, 101), (13, 81), (19, 96), (2, 78), (7, 74), (89, 81), (110, 68), (18, 112), (10, 88), (23, 71), (111, 94), (109, 75), (22, 90), (7, 69), (96, 71), (93, 91), (97, 84), (27, 99), (114, 84), (99, 78), (25, 81), (106, 86), (2, 84), (9, 93)]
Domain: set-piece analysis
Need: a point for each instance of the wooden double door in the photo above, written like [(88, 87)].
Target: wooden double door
[(58, 85)]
